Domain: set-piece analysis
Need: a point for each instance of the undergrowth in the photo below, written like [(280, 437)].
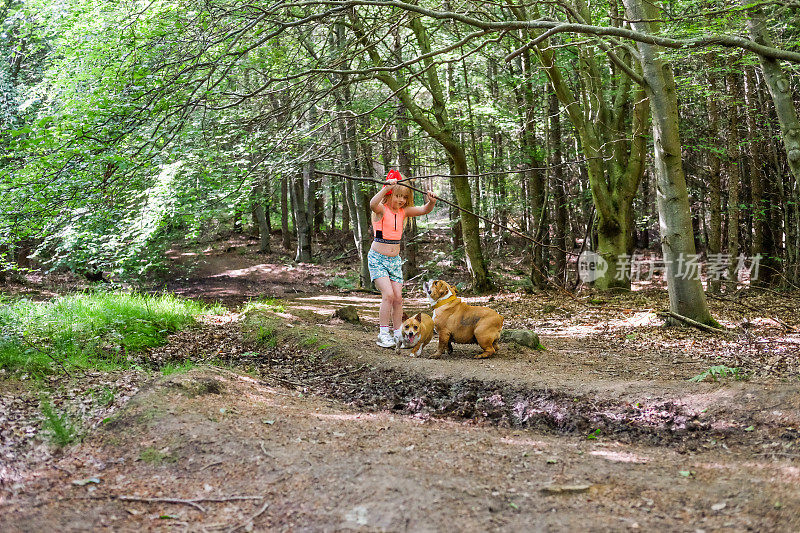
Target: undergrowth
[(177, 368), (718, 372), (98, 330), (58, 427)]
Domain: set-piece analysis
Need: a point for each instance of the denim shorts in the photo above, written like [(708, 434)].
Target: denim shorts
[(384, 266)]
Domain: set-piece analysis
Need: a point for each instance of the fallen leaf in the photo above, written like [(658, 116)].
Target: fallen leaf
[(718, 506), (82, 482)]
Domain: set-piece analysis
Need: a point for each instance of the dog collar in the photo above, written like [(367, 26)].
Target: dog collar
[(452, 298)]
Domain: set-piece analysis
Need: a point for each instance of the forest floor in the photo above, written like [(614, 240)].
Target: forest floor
[(293, 420)]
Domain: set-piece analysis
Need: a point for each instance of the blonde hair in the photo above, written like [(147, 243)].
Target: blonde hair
[(405, 191)]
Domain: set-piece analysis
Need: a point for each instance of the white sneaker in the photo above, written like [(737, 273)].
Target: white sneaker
[(385, 340)]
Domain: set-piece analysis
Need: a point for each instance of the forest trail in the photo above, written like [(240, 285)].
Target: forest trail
[(213, 450), (599, 432)]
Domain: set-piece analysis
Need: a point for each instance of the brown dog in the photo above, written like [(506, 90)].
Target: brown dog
[(458, 322), (417, 332)]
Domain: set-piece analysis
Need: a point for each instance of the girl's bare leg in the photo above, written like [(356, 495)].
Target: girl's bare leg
[(386, 310), (397, 305)]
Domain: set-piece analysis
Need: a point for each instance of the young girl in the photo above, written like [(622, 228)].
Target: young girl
[(391, 206)]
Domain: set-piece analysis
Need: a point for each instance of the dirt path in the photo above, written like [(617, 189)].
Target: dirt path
[(320, 466), (328, 432)]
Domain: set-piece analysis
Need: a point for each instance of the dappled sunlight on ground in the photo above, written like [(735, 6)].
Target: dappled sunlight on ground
[(619, 456), (521, 441)]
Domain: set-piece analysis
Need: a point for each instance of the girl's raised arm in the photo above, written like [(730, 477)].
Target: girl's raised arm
[(376, 203), (415, 211)]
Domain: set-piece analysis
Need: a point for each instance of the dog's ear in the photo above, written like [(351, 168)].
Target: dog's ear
[(418, 317), (452, 289)]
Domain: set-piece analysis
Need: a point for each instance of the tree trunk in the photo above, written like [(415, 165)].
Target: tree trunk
[(770, 264), (355, 198), (470, 231), (456, 234), (686, 296), (781, 91), (261, 219), (536, 177), (559, 194), (734, 177), (759, 209), (301, 218), (310, 182), (345, 208), (409, 245), (353, 194), (410, 266), (285, 235), (714, 164)]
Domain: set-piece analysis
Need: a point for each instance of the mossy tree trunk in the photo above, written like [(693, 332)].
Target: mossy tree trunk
[(686, 296)]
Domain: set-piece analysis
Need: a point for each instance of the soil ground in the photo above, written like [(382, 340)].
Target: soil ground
[(315, 428)]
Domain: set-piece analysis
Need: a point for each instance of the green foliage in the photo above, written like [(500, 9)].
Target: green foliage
[(156, 457), (57, 426), (177, 368), (717, 372), (260, 325), (116, 194), (89, 330), (265, 336), (594, 434), (104, 396), (343, 283), (269, 304), (309, 341)]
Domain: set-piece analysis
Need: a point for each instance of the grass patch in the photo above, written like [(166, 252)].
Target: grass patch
[(268, 304), (715, 373), (266, 330), (261, 326), (98, 330), (177, 368), (156, 457), (104, 396), (58, 427), (265, 336), (309, 342), (343, 282)]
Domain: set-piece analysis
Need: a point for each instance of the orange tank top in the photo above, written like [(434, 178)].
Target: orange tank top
[(389, 229)]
